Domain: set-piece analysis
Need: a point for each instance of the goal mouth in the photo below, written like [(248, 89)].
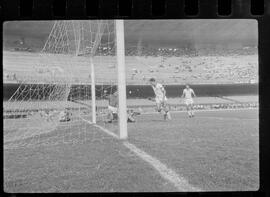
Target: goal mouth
[(52, 93)]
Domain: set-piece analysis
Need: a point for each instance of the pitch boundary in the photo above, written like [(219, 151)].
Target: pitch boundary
[(203, 110), (221, 118)]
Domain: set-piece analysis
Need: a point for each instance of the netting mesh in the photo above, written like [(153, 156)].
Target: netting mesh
[(58, 89)]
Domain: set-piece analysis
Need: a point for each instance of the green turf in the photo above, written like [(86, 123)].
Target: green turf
[(73, 161), (216, 150)]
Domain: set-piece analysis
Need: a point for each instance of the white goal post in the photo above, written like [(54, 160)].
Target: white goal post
[(121, 79), (93, 92), (69, 81), (121, 72)]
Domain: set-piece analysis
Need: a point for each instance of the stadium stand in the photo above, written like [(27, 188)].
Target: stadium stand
[(178, 57), (172, 70)]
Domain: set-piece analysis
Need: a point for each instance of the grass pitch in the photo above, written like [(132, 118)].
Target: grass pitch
[(214, 151)]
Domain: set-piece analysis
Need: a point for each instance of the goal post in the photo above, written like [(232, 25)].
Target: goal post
[(75, 73), (121, 81), (121, 76), (93, 91)]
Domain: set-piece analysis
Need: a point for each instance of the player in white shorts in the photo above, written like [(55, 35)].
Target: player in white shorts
[(160, 99), (188, 93)]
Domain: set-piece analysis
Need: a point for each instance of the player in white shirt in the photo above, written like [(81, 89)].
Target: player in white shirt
[(188, 94), (160, 99)]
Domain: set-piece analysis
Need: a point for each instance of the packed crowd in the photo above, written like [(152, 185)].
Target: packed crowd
[(160, 51), (187, 51), (146, 51), (178, 52), (180, 64), (9, 76), (169, 74), (209, 69)]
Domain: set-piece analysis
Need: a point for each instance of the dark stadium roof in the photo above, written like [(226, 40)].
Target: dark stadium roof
[(161, 32)]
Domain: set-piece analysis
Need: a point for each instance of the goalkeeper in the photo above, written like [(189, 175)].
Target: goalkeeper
[(113, 109)]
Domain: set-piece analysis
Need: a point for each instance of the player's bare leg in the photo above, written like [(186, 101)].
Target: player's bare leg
[(130, 118), (189, 111), (167, 114), (130, 115), (162, 110), (164, 114), (192, 111), (158, 107)]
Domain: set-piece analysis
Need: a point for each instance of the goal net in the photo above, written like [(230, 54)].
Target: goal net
[(78, 57)]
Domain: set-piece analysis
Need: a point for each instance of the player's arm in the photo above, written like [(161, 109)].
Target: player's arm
[(163, 91), (194, 95), (150, 98), (183, 94)]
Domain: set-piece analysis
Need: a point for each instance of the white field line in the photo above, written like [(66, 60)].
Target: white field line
[(228, 118), (203, 110), (179, 182), (168, 174)]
